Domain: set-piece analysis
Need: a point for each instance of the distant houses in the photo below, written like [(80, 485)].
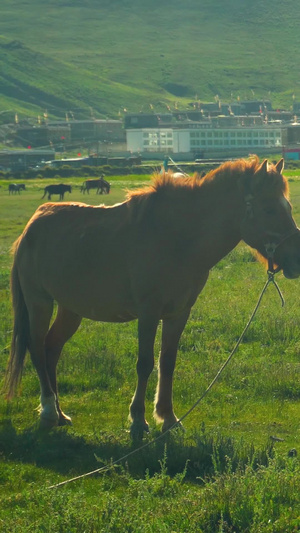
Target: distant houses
[(19, 160), (62, 133), (206, 138), (205, 131), (212, 130)]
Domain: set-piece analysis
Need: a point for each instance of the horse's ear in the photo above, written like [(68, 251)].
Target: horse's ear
[(263, 168), (260, 174), (280, 165)]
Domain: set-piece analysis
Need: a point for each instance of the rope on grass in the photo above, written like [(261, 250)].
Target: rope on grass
[(178, 423)]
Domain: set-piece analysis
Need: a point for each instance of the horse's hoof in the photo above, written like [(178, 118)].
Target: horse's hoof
[(138, 429), (49, 416), (64, 420), (48, 423)]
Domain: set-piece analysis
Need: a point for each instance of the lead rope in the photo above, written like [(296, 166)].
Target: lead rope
[(270, 279), (178, 168)]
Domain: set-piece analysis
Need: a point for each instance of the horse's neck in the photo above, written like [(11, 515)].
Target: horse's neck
[(224, 209), (210, 222)]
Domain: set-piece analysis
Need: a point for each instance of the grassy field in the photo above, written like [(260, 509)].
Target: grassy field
[(102, 58), (235, 469)]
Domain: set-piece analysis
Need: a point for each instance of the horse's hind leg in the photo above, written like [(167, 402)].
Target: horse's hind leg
[(64, 326), (40, 313), (171, 332)]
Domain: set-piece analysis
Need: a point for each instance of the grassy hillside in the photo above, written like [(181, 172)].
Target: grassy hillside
[(111, 55)]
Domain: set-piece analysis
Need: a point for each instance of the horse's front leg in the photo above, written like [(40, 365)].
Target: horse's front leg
[(147, 328), (171, 332)]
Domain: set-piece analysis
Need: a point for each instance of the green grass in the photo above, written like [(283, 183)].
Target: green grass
[(225, 473), (63, 56)]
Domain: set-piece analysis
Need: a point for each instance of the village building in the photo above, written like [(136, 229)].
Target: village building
[(206, 134), (205, 131), (19, 160)]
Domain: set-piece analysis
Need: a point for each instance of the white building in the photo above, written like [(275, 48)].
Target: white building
[(205, 139)]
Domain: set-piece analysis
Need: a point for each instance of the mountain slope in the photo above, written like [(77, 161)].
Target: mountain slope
[(39, 81), (111, 55)]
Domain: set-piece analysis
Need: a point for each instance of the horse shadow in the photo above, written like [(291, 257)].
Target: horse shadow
[(69, 455)]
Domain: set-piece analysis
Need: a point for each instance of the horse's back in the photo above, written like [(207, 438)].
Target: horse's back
[(72, 220), (93, 183), (57, 188), (77, 254)]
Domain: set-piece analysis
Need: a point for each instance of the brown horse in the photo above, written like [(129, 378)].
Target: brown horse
[(147, 258)]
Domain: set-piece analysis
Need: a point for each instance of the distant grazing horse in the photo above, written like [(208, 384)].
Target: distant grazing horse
[(105, 187), (147, 258), (179, 175), (15, 188), (100, 184), (57, 189)]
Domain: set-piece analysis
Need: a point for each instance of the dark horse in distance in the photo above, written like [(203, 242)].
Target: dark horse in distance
[(15, 188), (100, 184), (147, 258), (60, 189)]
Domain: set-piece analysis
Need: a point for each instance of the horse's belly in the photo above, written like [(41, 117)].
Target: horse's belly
[(99, 311), (102, 310), (108, 300)]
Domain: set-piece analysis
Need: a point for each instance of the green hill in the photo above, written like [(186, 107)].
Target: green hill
[(99, 57)]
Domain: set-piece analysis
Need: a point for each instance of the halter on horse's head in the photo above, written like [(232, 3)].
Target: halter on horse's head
[(268, 224)]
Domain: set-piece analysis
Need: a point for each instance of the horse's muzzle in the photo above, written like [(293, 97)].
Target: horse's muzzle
[(290, 272), (287, 256)]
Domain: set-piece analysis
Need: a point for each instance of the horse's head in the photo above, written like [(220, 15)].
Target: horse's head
[(268, 225)]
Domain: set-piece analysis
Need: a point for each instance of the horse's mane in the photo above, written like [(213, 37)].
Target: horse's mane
[(182, 192), (226, 174)]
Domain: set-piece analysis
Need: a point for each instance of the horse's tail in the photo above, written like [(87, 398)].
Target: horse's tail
[(20, 336), (45, 192)]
